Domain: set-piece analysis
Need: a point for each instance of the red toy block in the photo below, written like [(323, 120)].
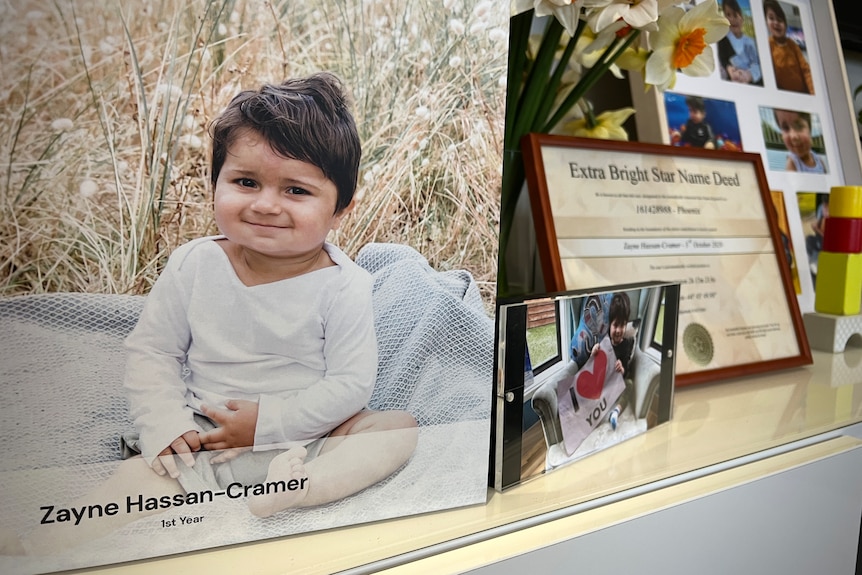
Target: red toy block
[(842, 235)]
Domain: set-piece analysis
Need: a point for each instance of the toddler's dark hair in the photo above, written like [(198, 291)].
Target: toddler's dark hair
[(775, 7), (733, 5), (304, 119), (695, 103), (620, 308), (802, 115)]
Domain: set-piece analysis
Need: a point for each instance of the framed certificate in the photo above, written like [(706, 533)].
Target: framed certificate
[(619, 212)]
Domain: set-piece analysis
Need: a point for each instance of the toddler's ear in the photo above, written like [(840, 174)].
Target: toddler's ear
[(336, 219)]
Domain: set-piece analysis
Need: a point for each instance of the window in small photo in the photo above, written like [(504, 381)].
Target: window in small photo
[(698, 122), (543, 335), (793, 140), (738, 58), (787, 47)]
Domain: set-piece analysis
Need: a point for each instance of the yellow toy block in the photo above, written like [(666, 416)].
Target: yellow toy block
[(845, 202), (839, 283)]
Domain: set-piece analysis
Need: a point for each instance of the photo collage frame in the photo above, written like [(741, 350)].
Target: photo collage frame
[(778, 90)]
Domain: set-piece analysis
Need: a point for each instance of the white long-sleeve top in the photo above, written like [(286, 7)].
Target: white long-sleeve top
[(303, 348)]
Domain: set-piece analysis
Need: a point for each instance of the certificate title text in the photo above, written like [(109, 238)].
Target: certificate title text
[(636, 175)]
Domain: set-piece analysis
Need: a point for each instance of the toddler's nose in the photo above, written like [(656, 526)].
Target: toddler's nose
[(265, 204)]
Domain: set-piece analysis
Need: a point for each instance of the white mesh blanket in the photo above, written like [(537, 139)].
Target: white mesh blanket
[(61, 366)]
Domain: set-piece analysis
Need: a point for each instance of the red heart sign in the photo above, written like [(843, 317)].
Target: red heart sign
[(590, 384)]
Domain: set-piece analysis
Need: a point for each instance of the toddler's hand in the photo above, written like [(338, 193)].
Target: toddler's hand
[(741, 76), (183, 446), (229, 454), (618, 366), (236, 425)]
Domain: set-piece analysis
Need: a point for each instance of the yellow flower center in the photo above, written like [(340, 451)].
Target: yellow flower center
[(688, 47)]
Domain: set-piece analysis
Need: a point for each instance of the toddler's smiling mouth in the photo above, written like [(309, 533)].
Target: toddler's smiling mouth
[(265, 225)]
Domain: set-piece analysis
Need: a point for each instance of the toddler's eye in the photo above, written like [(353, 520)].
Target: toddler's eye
[(246, 182), (297, 191)]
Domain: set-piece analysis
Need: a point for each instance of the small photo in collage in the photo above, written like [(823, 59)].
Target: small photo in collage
[(813, 210), (738, 57), (697, 122), (787, 47), (794, 140)]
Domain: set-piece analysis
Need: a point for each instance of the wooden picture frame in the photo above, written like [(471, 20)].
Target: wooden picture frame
[(832, 122), (614, 212)]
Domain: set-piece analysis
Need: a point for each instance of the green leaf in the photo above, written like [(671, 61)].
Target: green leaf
[(536, 82), (550, 94), (519, 32)]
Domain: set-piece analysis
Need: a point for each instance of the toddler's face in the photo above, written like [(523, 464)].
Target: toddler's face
[(735, 20), (618, 330), (777, 26), (274, 206), (696, 116), (795, 132)]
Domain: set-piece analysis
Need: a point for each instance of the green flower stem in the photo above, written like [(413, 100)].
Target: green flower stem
[(513, 168), (520, 115), (550, 93), (519, 31), (513, 178), (536, 82), (589, 114), (586, 82)]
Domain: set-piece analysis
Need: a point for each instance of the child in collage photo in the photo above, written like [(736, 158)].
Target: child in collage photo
[(697, 122), (787, 47), (794, 141), (737, 52)]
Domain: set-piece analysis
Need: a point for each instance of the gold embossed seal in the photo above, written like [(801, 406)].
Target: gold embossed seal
[(697, 344)]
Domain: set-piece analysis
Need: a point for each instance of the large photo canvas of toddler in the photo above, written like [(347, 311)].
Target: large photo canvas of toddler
[(248, 266)]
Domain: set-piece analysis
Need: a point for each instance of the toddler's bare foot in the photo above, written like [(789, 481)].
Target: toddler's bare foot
[(10, 543), (285, 467)]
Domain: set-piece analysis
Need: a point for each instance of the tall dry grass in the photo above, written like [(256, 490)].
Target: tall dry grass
[(105, 107)]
